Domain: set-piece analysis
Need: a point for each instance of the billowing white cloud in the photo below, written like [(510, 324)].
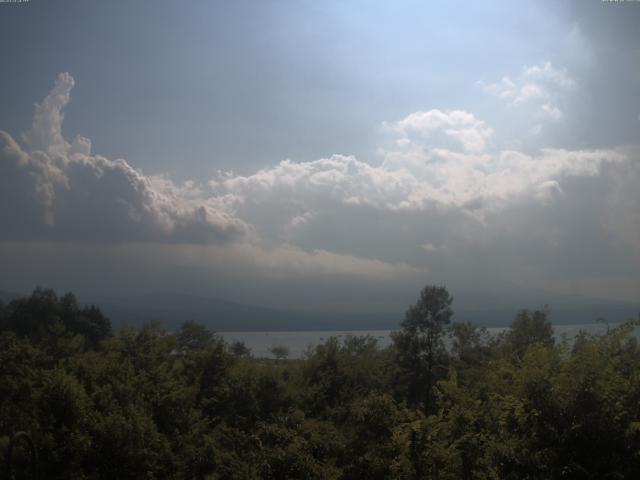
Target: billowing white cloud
[(459, 125), (62, 191), (414, 178), (28, 185), (538, 86), (443, 203), (51, 189), (46, 132), (507, 214)]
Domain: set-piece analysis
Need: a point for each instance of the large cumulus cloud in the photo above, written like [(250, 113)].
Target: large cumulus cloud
[(419, 179), (442, 204), (53, 189)]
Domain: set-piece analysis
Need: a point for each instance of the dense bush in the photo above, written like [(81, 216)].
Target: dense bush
[(152, 404)]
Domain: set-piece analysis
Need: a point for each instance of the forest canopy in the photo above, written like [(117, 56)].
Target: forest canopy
[(445, 400)]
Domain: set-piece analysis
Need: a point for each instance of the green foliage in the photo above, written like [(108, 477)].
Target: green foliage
[(373, 421), (420, 352), (44, 317), (470, 344), (151, 404), (528, 328), (193, 336), (336, 372), (280, 352), (239, 349), (294, 447)]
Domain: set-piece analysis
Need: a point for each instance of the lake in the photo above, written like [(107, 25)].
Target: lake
[(299, 342)]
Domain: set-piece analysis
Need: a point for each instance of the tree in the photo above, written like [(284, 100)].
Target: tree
[(528, 328), (194, 336), (45, 317), (3, 316), (419, 345), (33, 316), (279, 351), (240, 349), (468, 343), (337, 371), (88, 321)]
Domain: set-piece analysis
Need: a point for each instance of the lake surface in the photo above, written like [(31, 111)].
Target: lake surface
[(299, 342)]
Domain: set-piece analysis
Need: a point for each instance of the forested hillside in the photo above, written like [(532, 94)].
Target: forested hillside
[(146, 403)]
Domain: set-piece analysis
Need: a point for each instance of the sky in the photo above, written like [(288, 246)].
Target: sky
[(333, 155)]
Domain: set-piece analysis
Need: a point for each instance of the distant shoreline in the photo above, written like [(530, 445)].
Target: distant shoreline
[(299, 341)]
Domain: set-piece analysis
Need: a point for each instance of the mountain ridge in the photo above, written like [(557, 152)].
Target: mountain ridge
[(171, 309)]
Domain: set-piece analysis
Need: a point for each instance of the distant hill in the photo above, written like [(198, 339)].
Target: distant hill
[(491, 310), (6, 297), (221, 315), (498, 310)]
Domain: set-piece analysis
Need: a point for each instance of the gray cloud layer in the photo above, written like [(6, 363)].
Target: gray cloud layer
[(444, 203)]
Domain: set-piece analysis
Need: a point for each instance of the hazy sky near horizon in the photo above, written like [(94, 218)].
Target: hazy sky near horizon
[(335, 154)]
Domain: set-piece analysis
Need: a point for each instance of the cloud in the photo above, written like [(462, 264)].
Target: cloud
[(459, 125), (503, 214), (289, 260), (46, 131), (443, 204), (429, 247), (413, 178), (623, 202), (29, 184), (53, 189), (538, 86), (58, 190)]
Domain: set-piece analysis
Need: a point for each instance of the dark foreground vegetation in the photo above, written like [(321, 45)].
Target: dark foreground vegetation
[(150, 404)]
